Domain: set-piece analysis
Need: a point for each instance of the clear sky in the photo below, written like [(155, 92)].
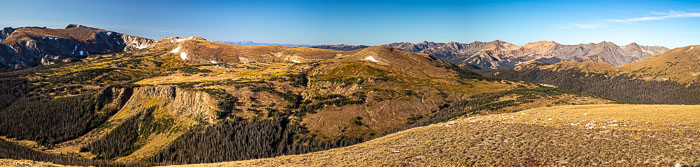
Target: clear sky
[(373, 22)]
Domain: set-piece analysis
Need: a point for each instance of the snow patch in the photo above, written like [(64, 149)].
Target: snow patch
[(296, 61), (81, 52), (370, 58), (183, 56), (176, 50), (142, 46), (590, 125), (212, 61), (109, 33), (691, 48)]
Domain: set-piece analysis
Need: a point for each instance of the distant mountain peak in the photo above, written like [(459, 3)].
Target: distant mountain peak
[(74, 26), (501, 54)]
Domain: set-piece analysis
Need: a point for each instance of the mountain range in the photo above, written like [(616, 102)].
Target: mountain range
[(499, 54), (31, 46)]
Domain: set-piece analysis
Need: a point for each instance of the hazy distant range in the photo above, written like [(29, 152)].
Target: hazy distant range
[(251, 43)]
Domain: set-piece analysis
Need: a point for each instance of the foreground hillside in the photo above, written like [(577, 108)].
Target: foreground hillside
[(577, 135), (668, 78)]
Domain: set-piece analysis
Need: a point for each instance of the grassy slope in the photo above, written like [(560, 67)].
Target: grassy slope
[(12, 162), (678, 65), (576, 135)]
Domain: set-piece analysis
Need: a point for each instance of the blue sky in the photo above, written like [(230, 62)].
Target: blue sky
[(665, 23)]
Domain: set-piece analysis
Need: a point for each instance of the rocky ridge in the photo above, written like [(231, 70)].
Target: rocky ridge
[(32, 46), (500, 54)]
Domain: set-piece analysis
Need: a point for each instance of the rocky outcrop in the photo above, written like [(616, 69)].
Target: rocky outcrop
[(342, 47), (32, 46), (6, 32), (195, 105)]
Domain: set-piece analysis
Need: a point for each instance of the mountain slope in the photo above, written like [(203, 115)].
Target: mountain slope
[(577, 135), (679, 65), (667, 78), (31, 46)]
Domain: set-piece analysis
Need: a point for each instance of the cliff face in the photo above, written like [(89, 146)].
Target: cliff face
[(32, 46), (194, 105), (159, 114), (6, 32)]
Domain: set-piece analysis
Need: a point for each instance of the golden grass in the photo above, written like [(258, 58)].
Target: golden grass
[(608, 116), (26, 143), (14, 162), (262, 71), (547, 101)]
